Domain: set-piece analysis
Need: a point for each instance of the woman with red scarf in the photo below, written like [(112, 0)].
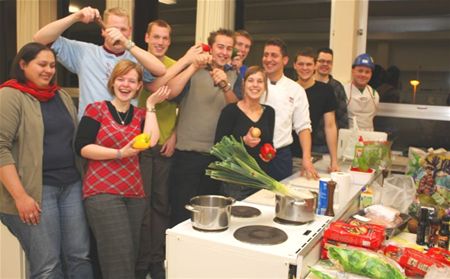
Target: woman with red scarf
[(40, 182)]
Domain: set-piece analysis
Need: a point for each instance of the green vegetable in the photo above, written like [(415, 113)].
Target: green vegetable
[(238, 167), (320, 274), (364, 263), (372, 154)]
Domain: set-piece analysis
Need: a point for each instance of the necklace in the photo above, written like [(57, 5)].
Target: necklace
[(122, 120)]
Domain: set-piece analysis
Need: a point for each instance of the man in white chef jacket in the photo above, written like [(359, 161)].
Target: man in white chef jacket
[(291, 106)]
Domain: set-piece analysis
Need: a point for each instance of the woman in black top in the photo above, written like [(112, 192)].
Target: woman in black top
[(238, 119)]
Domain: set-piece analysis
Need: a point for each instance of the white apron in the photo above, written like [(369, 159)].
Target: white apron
[(363, 106)]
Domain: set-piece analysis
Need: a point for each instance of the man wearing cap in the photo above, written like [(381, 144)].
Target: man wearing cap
[(362, 99)]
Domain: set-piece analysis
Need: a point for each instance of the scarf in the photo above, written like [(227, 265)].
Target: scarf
[(43, 94)]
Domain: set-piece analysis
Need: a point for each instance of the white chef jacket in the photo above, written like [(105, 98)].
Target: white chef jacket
[(291, 107)]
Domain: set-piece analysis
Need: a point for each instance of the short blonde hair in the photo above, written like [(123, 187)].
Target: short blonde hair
[(123, 67), (160, 23), (116, 11)]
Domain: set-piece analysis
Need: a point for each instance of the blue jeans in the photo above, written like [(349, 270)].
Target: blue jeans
[(59, 245), (281, 166), (321, 149)]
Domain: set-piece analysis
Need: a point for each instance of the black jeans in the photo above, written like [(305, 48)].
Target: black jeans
[(155, 170), (188, 180)]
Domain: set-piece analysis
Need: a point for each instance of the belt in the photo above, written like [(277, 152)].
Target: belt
[(284, 147)]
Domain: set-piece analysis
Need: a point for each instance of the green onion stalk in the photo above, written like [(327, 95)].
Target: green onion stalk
[(236, 166)]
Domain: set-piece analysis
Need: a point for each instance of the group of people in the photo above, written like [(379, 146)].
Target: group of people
[(63, 175)]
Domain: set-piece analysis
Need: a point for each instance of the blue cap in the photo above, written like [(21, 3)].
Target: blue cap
[(364, 60)]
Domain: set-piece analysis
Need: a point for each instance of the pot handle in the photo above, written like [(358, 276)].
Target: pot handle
[(302, 202), (191, 208), (232, 200)]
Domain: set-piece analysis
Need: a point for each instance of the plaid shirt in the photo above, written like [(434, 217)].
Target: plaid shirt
[(115, 176)]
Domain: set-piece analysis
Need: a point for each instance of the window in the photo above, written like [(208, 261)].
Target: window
[(413, 36), (182, 18), (300, 24)]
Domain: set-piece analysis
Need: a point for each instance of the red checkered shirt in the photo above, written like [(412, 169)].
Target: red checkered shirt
[(115, 176)]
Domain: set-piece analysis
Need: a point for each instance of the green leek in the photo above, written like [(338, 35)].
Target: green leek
[(236, 166)]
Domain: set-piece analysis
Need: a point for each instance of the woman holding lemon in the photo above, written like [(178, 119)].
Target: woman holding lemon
[(112, 186)]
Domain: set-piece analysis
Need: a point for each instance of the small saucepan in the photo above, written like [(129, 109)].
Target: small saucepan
[(210, 212), (295, 210)]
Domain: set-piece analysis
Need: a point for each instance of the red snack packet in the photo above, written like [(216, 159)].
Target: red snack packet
[(369, 236), (440, 254), (356, 222), (414, 262)]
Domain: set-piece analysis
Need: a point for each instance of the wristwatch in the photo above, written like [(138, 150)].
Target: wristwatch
[(225, 86), (129, 44)]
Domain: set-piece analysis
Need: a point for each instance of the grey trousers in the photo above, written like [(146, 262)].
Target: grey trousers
[(115, 222), (155, 170)]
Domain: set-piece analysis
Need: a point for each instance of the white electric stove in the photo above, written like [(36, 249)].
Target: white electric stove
[(197, 254)]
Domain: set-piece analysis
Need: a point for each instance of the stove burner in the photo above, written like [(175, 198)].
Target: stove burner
[(203, 230), (288, 222), (244, 211), (260, 235)]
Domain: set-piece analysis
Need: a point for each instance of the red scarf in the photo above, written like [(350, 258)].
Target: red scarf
[(43, 94)]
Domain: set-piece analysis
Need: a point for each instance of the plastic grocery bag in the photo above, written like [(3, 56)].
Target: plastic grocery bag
[(398, 192), (349, 147), (348, 138), (365, 263)]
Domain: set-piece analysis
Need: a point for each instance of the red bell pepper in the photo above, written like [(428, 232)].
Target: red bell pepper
[(206, 48), (267, 152)]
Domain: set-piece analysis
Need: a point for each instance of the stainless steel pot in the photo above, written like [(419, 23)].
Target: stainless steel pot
[(210, 212), (295, 210)]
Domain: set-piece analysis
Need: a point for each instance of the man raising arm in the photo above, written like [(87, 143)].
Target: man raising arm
[(93, 64)]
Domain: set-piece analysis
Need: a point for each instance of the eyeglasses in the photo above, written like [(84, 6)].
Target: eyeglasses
[(322, 61)]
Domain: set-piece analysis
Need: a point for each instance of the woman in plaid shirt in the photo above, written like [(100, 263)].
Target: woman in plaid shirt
[(112, 186)]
